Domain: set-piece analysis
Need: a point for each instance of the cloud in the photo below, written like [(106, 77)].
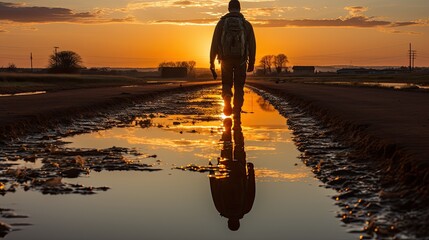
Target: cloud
[(355, 18), (183, 3), (269, 175), (267, 11), (356, 10), (20, 13), (395, 31), (173, 3), (214, 14), (136, 6), (203, 21), (423, 22), (211, 11), (357, 21)]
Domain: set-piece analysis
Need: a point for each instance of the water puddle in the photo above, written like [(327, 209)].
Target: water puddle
[(22, 94), (381, 84), (171, 168), (165, 81)]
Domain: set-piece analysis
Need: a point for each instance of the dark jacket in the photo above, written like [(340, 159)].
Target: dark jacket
[(217, 35)]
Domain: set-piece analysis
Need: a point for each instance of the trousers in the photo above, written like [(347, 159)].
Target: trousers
[(234, 75)]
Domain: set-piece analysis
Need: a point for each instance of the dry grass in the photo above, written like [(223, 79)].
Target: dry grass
[(413, 78), (24, 82)]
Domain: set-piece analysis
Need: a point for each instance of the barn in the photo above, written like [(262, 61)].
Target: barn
[(173, 72), (303, 69)]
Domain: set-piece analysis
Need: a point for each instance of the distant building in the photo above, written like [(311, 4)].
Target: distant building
[(173, 72), (303, 69)]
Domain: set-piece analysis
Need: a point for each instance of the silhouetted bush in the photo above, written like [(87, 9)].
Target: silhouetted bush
[(65, 62)]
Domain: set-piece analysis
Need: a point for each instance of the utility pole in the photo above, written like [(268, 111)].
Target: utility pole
[(409, 58), (412, 57), (31, 61)]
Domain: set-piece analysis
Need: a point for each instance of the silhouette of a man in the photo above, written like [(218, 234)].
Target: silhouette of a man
[(233, 193), (235, 47)]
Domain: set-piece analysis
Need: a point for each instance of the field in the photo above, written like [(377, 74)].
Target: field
[(25, 82)]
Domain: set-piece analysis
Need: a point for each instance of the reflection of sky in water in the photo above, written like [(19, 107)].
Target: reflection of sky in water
[(172, 204), (267, 139)]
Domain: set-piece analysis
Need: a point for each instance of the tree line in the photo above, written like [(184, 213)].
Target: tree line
[(189, 65), (270, 63), (69, 62)]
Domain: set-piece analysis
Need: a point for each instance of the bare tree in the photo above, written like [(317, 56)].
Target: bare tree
[(270, 62), (65, 62), (166, 64), (280, 62), (191, 69), (266, 63), (183, 64), (191, 65)]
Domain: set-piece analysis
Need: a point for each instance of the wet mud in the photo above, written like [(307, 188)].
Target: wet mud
[(372, 204), (30, 123)]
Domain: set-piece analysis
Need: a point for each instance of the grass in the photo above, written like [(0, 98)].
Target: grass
[(28, 82), (414, 78), (24, 82)]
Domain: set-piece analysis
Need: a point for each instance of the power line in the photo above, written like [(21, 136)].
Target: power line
[(351, 51), (22, 47)]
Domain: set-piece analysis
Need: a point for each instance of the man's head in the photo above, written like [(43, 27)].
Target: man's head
[(233, 224), (234, 6)]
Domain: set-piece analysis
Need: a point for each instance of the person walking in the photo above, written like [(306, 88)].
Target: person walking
[(234, 45)]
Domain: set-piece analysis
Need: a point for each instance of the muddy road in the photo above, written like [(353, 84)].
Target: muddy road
[(175, 167)]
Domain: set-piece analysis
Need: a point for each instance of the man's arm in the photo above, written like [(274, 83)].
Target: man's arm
[(252, 45), (214, 50)]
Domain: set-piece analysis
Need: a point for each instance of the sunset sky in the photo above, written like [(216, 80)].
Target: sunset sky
[(124, 33)]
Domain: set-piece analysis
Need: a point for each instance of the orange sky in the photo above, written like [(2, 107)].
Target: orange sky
[(143, 34)]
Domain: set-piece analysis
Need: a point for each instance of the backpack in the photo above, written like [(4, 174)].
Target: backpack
[(233, 39)]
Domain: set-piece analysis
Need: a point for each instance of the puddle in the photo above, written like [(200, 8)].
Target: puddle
[(380, 84), (22, 94), (165, 81), (210, 171)]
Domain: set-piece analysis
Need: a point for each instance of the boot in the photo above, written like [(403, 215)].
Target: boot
[(227, 109)]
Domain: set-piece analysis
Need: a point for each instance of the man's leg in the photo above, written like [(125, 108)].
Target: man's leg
[(227, 82), (239, 81)]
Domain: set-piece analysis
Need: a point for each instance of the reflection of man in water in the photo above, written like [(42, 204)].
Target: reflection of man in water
[(235, 47), (233, 194)]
